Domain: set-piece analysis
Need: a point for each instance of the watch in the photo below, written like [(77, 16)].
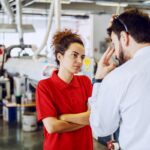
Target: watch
[(96, 80)]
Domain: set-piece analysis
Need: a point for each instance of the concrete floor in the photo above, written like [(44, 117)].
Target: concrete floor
[(13, 138)]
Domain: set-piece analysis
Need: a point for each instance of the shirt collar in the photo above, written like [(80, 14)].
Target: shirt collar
[(142, 51), (62, 84)]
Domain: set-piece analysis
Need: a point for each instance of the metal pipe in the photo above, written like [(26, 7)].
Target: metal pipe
[(19, 20), (57, 14), (8, 10), (51, 12)]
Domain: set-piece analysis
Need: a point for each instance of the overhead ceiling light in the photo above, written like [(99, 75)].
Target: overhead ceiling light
[(43, 1), (75, 13), (49, 1), (65, 2), (82, 1), (12, 28), (104, 3), (146, 2)]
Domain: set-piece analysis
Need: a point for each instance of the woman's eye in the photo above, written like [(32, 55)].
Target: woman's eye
[(82, 57), (75, 55)]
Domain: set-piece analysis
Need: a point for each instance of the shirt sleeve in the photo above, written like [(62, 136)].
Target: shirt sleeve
[(44, 103), (104, 117)]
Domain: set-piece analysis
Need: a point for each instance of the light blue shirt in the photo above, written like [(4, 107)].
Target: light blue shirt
[(123, 99)]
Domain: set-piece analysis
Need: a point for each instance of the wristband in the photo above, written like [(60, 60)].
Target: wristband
[(96, 80)]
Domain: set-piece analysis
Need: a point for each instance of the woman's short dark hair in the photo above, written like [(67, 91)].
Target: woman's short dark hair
[(133, 21), (62, 40)]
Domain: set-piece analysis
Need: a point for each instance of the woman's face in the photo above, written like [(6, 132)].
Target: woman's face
[(73, 58)]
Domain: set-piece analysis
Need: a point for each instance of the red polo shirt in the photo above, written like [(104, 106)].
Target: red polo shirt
[(55, 97)]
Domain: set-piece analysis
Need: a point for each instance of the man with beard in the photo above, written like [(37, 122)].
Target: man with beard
[(121, 95)]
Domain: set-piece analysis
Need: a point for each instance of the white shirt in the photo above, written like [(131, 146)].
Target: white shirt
[(123, 98)]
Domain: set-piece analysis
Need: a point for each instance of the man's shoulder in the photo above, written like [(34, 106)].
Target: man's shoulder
[(121, 74)]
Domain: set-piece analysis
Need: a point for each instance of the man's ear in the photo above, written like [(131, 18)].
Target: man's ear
[(59, 57), (124, 38)]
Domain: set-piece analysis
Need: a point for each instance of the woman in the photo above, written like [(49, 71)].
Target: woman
[(61, 100)]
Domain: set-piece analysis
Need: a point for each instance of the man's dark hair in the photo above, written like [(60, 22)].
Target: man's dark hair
[(133, 21)]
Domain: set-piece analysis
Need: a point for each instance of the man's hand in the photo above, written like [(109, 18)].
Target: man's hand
[(105, 65)]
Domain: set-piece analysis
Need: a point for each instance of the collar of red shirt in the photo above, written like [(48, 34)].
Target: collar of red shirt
[(61, 84)]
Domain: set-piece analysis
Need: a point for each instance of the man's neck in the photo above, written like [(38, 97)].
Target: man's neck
[(137, 47)]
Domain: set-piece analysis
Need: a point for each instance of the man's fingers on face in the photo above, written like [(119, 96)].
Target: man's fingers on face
[(109, 55), (110, 52), (104, 59), (107, 51), (105, 55)]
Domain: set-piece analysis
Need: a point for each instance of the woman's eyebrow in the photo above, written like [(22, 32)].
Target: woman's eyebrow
[(75, 52)]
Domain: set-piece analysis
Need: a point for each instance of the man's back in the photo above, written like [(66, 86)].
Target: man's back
[(135, 103)]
